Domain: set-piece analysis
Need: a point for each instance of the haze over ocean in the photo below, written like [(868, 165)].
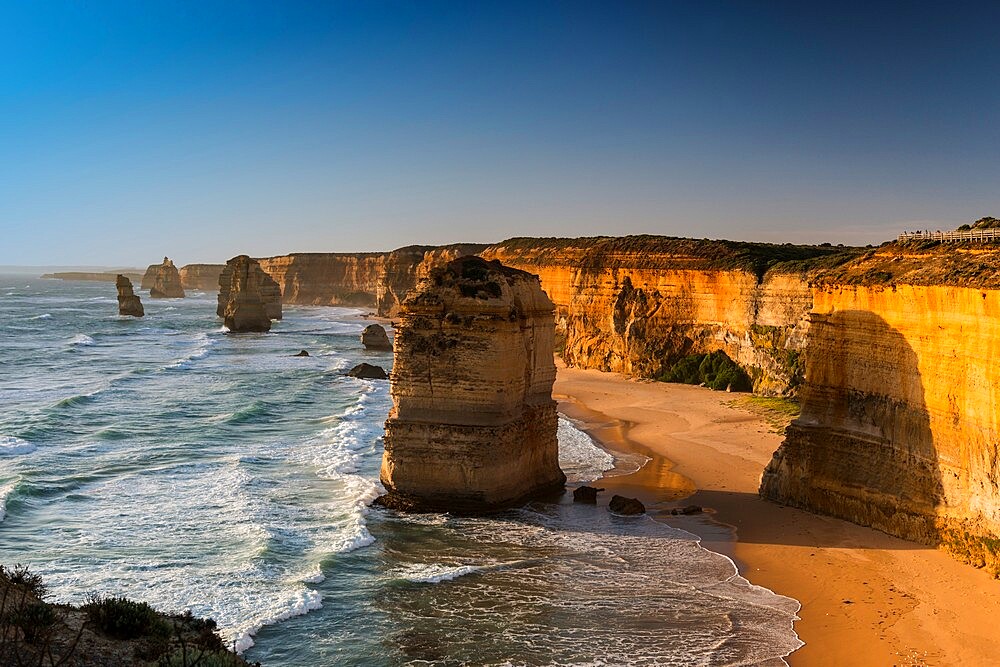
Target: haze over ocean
[(130, 130)]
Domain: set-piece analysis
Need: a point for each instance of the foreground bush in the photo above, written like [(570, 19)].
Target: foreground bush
[(107, 630)]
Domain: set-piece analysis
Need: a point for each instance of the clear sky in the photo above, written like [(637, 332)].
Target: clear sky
[(134, 129)]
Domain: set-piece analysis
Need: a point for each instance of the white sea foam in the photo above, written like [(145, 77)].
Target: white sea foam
[(12, 446), (580, 457), (424, 573), (43, 316), (5, 491), (201, 350), (81, 340), (304, 602)]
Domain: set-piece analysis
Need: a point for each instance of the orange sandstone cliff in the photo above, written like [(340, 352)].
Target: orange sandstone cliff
[(473, 424), (202, 277), (900, 425), (637, 305), (373, 280)]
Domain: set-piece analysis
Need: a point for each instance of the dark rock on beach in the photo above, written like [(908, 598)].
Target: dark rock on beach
[(690, 509), (627, 506), (585, 494), (368, 372)]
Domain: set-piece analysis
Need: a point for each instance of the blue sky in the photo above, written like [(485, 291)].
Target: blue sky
[(130, 130)]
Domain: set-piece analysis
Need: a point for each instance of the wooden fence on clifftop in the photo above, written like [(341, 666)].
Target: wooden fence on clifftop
[(957, 236)]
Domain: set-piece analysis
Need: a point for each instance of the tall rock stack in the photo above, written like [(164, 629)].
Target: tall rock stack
[(247, 299), (473, 424), (270, 291), (128, 302), (164, 281)]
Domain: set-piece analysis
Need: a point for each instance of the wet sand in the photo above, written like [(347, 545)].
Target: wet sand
[(867, 598)]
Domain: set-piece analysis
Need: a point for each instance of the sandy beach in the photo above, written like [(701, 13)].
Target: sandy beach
[(867, 598)]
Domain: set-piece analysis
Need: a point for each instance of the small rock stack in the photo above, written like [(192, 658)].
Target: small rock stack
[(374, 337), (246, 298), (128, 302), (164, 281)]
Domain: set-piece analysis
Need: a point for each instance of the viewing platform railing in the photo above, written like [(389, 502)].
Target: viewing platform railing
[(957, 236)]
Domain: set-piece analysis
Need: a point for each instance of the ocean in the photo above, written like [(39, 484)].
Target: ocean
[(168, 461)]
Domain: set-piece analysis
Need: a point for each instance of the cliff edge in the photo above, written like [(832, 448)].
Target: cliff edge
[(899, 427), (473, 424)]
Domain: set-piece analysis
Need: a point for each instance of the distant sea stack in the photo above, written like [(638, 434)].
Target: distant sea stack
[(201, 277), (473, 424), (248, 297), (374, 337), (128, 302), (164, 281)]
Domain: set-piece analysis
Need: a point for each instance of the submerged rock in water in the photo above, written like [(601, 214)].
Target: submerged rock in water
[(374, 337), (585, 494), (302, 353), (368, 372), (473, 423), (627, 506), (241, 304), (128, 301), (165, 281)]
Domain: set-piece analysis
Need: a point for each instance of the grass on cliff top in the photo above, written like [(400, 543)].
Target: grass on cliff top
[(920, 263), (777, 411), (666, 252)]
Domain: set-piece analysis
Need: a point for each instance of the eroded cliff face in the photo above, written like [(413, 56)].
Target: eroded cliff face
[(900, 422), (202, 277), (371, 280), (473, 423), (327, 279), (638, 308)]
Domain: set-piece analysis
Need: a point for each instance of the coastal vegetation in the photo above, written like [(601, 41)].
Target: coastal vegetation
[(714, 370), (105, 631)]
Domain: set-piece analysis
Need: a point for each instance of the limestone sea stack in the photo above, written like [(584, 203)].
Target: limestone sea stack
[(374, 337), (473, 424), (242, 301), (270, 291), (128, 302), (166, 281)]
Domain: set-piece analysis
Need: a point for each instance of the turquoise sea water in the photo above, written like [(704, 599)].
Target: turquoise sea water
[(169, 461)]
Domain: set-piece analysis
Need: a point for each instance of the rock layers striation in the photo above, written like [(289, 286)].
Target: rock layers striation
[(164, 281), (128, 302), (247, 296), (900, 427), (473, 424)]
